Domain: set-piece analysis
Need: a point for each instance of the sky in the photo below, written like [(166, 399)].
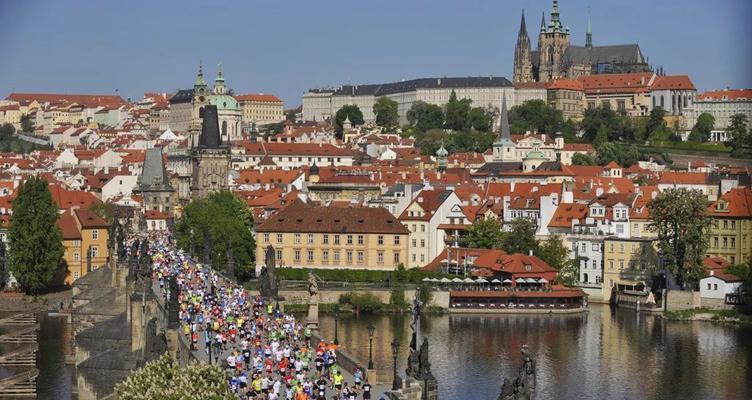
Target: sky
[(287, 47)]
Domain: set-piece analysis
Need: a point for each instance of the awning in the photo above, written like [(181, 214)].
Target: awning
[(457, 280), (469, 280), (520, 280), (444, 280), (481, 280), (531, 280), (506, 280), (427, 279), (498, 281), (542, 280)]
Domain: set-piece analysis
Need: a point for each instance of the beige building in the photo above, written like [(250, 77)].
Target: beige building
[(628, 264), (305, 236), (260, 108), (83, 232), (567, 96), (730, 235)]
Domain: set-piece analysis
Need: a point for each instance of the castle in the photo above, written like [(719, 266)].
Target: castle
[(557, 58)]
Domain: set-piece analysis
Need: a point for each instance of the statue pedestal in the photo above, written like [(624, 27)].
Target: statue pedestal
[(312, 320)]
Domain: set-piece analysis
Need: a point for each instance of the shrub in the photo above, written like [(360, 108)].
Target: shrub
[(397, 297), (365, 302)]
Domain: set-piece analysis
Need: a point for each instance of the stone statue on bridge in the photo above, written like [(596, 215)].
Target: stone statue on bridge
[(267, 280), (523, 386), (413, 359), (312, 320)]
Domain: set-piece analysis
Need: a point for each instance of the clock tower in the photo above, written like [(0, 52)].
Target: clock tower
[(200, 100), (211, 158)]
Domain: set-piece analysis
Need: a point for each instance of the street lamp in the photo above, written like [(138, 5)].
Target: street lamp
[(336, 326), (397, 382), (371, 329)]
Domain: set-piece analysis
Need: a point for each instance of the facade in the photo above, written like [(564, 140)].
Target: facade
[(722, 105), (628, 264), (83, 233), (248, 154), (557, 58), (261, 109), (730, 234), (210, 158), (567, 96), (485, 92), (306, 236)]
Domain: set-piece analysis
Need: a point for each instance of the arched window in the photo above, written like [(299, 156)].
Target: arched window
[(224, 127)]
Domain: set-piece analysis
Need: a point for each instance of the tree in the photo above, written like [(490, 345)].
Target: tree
[(424, 116), (479, 119), (6, 131), (430, 141), (228, 221), (350, 111), (569, 131), (36, 244), (582, 159), (553, 252), (386, 113), (743, 271), (26, 124), (655, 122), (680, 220), (703, 126), (103, 210), (484, 233), (521, 238), (163, 379), (737, 132), (624, 155), (457, 113), (535, 115)]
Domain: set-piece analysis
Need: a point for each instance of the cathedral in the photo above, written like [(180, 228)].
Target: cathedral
[(557, 58)]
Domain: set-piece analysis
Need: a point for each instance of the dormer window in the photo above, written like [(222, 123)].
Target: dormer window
[(721, 206)]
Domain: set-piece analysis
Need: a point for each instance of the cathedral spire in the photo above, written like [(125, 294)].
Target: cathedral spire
[(589, 33), (555, 22), (543, 22), (200, 82), (523, 28)]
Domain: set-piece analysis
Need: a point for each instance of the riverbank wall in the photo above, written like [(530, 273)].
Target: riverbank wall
[(331, 296)]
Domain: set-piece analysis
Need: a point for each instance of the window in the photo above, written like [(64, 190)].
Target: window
[(297, 255), (595, 247), (361, 257), (611, 264), (297, 238), (76, 256), (725, 224), (361, 240), (422, 228), (715, 286), (621, 265), (415, 242), (715, 242), (94, 234), (396, 240), (349, 257), (325, 256), (422, 242), (733, 224), (76, 275), (396, 258), (415, 228), (422, 258), (325, 239), (266, 238), (380, 257), (619, 229), (279, 238), (733, 243), (413, 257), (336, 240), (310, 238), (583, 247), (725, 243), (336, 257), (349, 239), (621, 248), (279, 255), (310, 255), (708, 286), (381, 240)]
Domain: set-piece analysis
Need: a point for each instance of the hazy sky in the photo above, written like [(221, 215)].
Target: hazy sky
[(286, 47)]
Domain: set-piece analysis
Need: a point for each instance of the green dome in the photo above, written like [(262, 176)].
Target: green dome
[(442, 152), (224, 102)]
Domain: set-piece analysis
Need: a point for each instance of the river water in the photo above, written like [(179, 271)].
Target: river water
[(603, 354)]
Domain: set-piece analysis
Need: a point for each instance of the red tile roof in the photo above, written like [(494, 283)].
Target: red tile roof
[(616, 83), (90, 220), (674, 82), (735, 94), (89, 100), (295, 149), (737, 202), (267, 98), (566, 84), (566, 212), (68, 227)]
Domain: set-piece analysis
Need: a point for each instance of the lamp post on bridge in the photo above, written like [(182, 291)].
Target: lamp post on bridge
[(371, 330), (396, 382), (336, 326)]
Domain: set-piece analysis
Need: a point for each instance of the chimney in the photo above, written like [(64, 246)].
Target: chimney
[(712, 272), (530, 252)]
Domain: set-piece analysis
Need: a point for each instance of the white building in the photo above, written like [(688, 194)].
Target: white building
[(722, 105), (718, 284), (485, 92)]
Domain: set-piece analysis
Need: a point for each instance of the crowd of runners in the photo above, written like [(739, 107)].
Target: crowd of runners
[(267, 355)]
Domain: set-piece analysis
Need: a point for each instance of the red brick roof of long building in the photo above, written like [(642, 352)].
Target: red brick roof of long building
[(88, 100)]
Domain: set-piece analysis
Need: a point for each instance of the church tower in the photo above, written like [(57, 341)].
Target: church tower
[(523, 65), (503, 147), (200, 100), (211, 158), (219, 83), (553, 41), (589, 34)]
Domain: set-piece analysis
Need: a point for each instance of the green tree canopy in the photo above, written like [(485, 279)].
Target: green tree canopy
[(479, 119), (424, 116), (386, 112), (457, 113), (738, 134), (703, 126), (348, 111), (743, 271), (521, 238), (485, 233), (163, 379), (26, 124), (582, 159), (36, 247), (655, 124), (535, 115), (569, 131), (680, 220), (6, 131), (228, 221), (624, 155), (556, 254)]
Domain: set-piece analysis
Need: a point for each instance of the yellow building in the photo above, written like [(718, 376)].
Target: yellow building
[(306, 236), (627, 263), (730, 234), (261, 108), (83, 231)]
